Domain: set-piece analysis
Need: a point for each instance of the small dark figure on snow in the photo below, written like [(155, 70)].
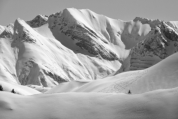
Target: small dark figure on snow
[(1, 88), (129, 92), (13, 91)]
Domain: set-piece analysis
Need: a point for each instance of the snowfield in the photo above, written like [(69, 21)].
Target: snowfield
[(161, 104)]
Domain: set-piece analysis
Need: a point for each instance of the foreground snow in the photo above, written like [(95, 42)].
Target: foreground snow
[(161, 104), (19, 89)]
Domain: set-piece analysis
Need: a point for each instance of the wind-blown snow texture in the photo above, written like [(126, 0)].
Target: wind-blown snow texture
[(80, 51)]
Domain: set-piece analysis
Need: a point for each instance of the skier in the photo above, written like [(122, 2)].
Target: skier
[(129, 92), (1, 88), (13, 91)]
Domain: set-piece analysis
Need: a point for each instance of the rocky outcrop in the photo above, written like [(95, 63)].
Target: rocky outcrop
[(152, 22), (38, 21), (161, 42)]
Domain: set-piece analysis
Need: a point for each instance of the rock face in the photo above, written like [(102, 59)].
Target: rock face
[(153, 23), (161, 42), (38, 21)]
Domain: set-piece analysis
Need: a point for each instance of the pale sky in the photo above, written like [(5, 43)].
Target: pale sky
[(118, 9)]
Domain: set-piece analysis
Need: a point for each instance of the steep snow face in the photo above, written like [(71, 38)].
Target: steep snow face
[(7, 56), (161, 42), (7, 61), (160, 104), (38, 21), (162, 75), (44, 61)]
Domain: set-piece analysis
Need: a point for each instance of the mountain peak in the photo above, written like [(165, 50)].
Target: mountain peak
[(7, 31), (151, 22), (38, 21), (22, 31)]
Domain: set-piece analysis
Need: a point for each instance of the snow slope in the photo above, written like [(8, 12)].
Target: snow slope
[(161, 104), (19, 89), (162, 75), (97, 68), (44, 61), (7, 56)]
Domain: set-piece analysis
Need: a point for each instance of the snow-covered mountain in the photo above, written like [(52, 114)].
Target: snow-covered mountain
[(76, 51), (81, 45)]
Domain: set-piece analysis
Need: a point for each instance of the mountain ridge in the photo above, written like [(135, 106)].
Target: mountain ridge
[(100, 46)]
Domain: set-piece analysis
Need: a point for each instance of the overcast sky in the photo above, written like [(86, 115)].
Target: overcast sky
[(118, 9)]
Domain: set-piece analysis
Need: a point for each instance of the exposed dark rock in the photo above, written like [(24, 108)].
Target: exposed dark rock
[(38, 21), (54, 76)]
